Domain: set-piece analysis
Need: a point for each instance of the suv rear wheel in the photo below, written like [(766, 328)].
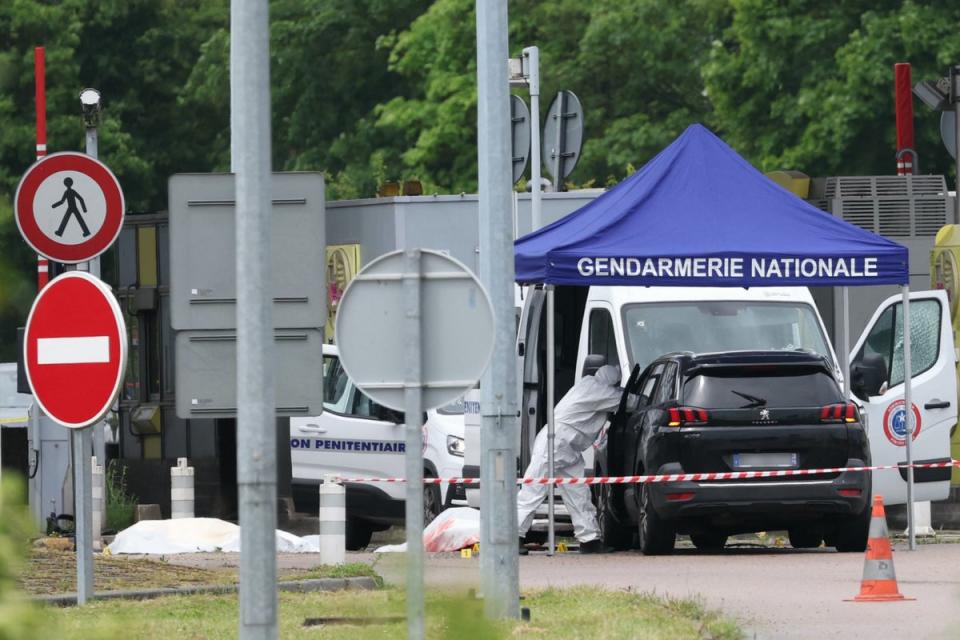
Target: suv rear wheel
[(612, 531), (656, 535), (851, 533)]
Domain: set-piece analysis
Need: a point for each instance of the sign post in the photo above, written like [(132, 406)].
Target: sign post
[(69, 208), (75, 354), (412, 375), (256, 396), (499, 564)]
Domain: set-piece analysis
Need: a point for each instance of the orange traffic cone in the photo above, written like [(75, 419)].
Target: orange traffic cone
[(879, 582)]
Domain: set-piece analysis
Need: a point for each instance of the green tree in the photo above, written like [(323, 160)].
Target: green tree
[(23, 25), (808, 84), (138, 53), (634, 64), (327, 75), (637, 73)]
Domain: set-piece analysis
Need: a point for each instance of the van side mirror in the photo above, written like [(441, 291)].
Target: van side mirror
[(867, 375), (592, 363)]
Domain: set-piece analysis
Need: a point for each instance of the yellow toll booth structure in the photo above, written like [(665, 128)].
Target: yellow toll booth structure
[(945, 274)]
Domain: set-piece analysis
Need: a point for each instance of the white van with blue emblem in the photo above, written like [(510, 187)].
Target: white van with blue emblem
[(358, 438)]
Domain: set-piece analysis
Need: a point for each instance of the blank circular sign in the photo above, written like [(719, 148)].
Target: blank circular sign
[(562, 135), (456, 328)]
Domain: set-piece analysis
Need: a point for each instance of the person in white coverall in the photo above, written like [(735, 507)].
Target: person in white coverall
[(578, 419)]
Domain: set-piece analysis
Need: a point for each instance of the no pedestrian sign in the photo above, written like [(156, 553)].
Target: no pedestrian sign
[(69, 207), (75, 349)]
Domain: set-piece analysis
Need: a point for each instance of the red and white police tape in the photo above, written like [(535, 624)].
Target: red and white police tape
[(681, 477)]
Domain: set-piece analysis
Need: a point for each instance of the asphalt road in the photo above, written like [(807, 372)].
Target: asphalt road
[(773, 593)]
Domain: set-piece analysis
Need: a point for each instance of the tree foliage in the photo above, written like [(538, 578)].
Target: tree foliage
[(370, 90), (139, 54), (808, 84)]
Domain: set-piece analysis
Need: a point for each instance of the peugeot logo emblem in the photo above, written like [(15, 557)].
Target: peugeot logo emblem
[(764, 414)]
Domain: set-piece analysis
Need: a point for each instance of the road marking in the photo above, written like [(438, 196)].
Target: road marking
[(86, 350)]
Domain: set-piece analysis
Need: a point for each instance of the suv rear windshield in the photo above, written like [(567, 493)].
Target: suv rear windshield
[(653, 329), (772, 389)]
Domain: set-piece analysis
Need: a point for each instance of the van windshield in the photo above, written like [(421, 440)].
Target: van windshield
[(653, 329)]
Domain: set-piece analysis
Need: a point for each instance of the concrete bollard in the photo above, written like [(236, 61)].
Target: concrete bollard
[(922, 522), (98, 502), (181, 490), (333, 522)]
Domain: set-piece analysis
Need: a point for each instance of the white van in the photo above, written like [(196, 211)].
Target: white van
[(356, 437), (631, 326)]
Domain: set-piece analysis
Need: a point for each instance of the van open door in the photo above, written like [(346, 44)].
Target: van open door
[(876, 372), (530, 370)]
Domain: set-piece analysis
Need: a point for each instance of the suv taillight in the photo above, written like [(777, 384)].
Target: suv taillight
[(680, 416), (840, 413)]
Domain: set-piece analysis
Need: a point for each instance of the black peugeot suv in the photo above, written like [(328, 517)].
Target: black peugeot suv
[(736, 411)]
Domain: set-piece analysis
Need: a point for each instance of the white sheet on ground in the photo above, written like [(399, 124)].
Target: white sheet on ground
[(452, 530), (196, 535)]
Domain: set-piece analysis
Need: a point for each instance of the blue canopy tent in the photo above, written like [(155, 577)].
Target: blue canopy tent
[(698, 214)]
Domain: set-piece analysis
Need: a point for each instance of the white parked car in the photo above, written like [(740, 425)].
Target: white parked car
[(358, 438)]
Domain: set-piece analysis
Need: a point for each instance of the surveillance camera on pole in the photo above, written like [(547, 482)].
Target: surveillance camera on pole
[(90, 106), (930, 94)]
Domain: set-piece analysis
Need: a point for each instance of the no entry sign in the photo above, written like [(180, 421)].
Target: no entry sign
[(69, 207), (75, 349)]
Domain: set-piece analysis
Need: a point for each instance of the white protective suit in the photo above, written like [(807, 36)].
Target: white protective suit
[(578, 417)]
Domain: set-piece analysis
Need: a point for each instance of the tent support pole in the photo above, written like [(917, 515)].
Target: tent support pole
[(551, 431), (845, 341), (908, 408)]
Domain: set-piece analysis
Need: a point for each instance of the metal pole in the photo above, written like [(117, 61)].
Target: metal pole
[(413, 407), (40, 87), (551, 428), (558, 151), (845, 340), (93, 150), (256, 405), (532, 54), (908, 407), (93, 267), (83, 513), (498, 388), (82, 441)]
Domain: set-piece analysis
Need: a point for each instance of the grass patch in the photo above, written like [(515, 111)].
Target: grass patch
[(49, 572), (570, 614), (348, 570), (121, 505)]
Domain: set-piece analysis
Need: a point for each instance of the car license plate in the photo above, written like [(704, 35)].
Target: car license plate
[(765, 460)]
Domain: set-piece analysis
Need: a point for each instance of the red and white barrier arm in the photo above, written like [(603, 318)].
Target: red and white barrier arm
[(684, 477)]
